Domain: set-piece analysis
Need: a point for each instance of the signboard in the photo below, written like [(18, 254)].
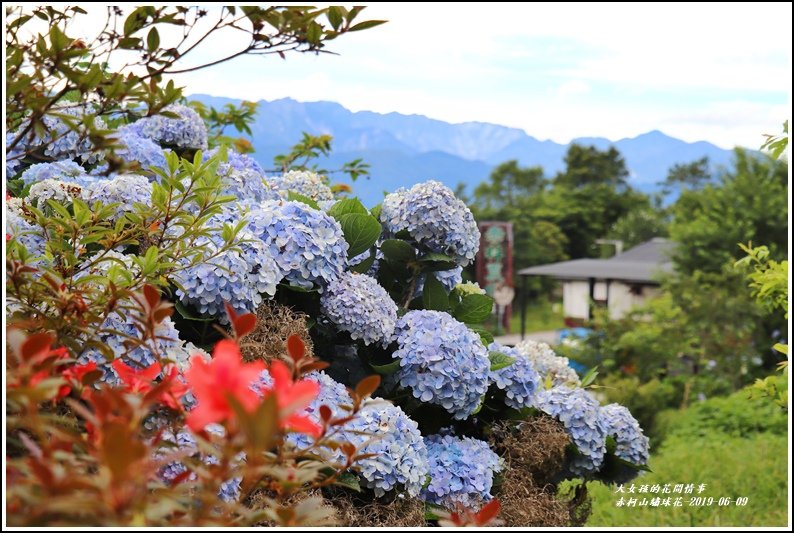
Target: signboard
[(494, 265)]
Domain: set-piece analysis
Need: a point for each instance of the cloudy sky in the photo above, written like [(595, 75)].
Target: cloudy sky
[(716, 72)]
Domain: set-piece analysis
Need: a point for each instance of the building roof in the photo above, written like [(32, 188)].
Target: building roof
[(641, 264)]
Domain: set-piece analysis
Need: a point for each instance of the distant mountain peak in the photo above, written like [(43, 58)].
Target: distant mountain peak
[(406, 149)]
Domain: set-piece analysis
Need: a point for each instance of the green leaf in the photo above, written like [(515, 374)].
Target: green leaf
[(153, 40), (366, 25), (335, 16), (589, 378), (375, 211), (361, 232), (398, 251), (185, 313), (434, 295), (434, 512), (474, 308), (485, 335), (347, 206), (385, 370), (364, 266), (500, 360), (348, 480), (434, 262), (479, 405), (296, 197)]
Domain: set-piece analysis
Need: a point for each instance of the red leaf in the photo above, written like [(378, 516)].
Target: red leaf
[(487, 513), (325, 413), (348, 449), (244, 324), (368, 385), (296, 348), (230, 312), (37, 346), (151, 295), (317, 365)]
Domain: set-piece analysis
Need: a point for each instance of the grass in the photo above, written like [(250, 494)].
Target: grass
[(755, 467), (542, 315)]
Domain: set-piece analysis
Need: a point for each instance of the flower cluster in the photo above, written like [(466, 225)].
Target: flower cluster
[(28, 235), (580, 413), (355, 303), (399, 456), (13, 157), (548, 364), (65, 170), (134, 148), (115, 332), (520, 380), (125, 189), (187, 131), (248, 184), (236, 161), (461, 471), (304, 182), (50, 189), (238, 277), (61, 140), (433, 216), (442, 361), (399, 452), (469, 287), (631, 443), (307, 245)]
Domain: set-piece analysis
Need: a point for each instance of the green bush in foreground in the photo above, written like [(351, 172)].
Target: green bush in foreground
[(730, 467)]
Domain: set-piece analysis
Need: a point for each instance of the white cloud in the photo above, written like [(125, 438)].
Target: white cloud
[(719, 72)]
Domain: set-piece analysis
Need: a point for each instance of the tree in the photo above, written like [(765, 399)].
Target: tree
[(587, 165), (746, 204), (682, 176)]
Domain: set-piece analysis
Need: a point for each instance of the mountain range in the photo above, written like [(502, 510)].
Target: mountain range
[(406, 149)]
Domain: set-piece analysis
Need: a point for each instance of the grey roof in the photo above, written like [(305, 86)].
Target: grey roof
[(643, 263)]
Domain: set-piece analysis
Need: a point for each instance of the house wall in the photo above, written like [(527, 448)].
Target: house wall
[(575, 299), (576, 296), (622, 299)]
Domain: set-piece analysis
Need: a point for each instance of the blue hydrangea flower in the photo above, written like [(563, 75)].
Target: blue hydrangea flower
[(137, 149), (185, 442), (60, 141), (461, 471), (30, 236), (442, 361), (124, 189), (580, 413), (187, 131), (357, 304), (237, 277), (433, 216), (248, 185), (632, 444), (14, 157), (111, 333), (380, 428), (303, 182), (308, 245), (236, 161), (65, 170), (400, 455), (520, 380), (548, 364)]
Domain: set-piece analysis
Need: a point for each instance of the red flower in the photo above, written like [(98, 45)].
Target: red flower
[(142, 381), (292, 399), (74, 374), (213, 383), (136, 380)]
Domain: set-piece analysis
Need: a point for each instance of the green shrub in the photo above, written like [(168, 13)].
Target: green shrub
[(733, 415), (730, 467)]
